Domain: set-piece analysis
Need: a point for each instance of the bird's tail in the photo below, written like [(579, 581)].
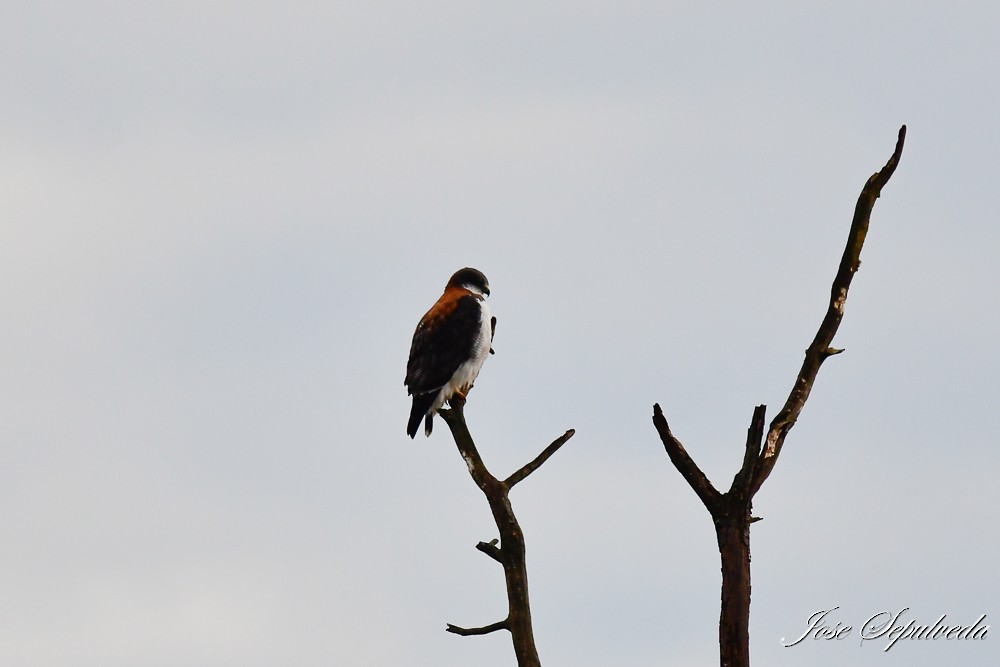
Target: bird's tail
[(422, 404)]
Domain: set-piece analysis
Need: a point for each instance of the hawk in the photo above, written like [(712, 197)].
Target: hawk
[(449, 347)]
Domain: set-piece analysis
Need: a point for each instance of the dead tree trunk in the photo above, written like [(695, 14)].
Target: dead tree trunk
[(511, 552), (731, 511)]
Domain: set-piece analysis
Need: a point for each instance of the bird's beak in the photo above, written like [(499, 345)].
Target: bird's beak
[(486, 290)]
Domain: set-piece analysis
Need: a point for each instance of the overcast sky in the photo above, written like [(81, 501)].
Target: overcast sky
[(221, 221)]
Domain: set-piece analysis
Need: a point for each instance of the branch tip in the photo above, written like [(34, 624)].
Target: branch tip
[(491, 549), (485, 630), (755, 436), (820, 348), (688, 469), (536, 463)]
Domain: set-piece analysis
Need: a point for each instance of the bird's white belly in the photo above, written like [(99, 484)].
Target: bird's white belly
[(466, 374)]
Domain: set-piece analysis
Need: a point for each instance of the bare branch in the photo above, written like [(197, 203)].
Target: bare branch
[(684, 463), (755, 434), (455, 418), (532, 466), (485, 630), (491, 549), (732, 511), (820, 349), (511, 552)]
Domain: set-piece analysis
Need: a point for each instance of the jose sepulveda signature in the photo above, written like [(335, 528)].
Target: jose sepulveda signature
[(888, 627)]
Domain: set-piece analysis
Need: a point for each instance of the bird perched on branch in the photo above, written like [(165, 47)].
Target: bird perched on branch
[(449, 347)]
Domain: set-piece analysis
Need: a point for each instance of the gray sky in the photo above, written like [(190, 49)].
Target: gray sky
[(220, 222)]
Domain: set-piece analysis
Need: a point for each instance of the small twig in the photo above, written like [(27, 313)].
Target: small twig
[(532, 466), (491, 549), (485, 630)]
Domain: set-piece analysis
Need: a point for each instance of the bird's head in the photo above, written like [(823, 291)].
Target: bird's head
[(470, 279)]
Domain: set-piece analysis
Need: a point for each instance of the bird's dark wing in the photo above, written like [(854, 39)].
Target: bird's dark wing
[(493, 332), (445, 337)]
